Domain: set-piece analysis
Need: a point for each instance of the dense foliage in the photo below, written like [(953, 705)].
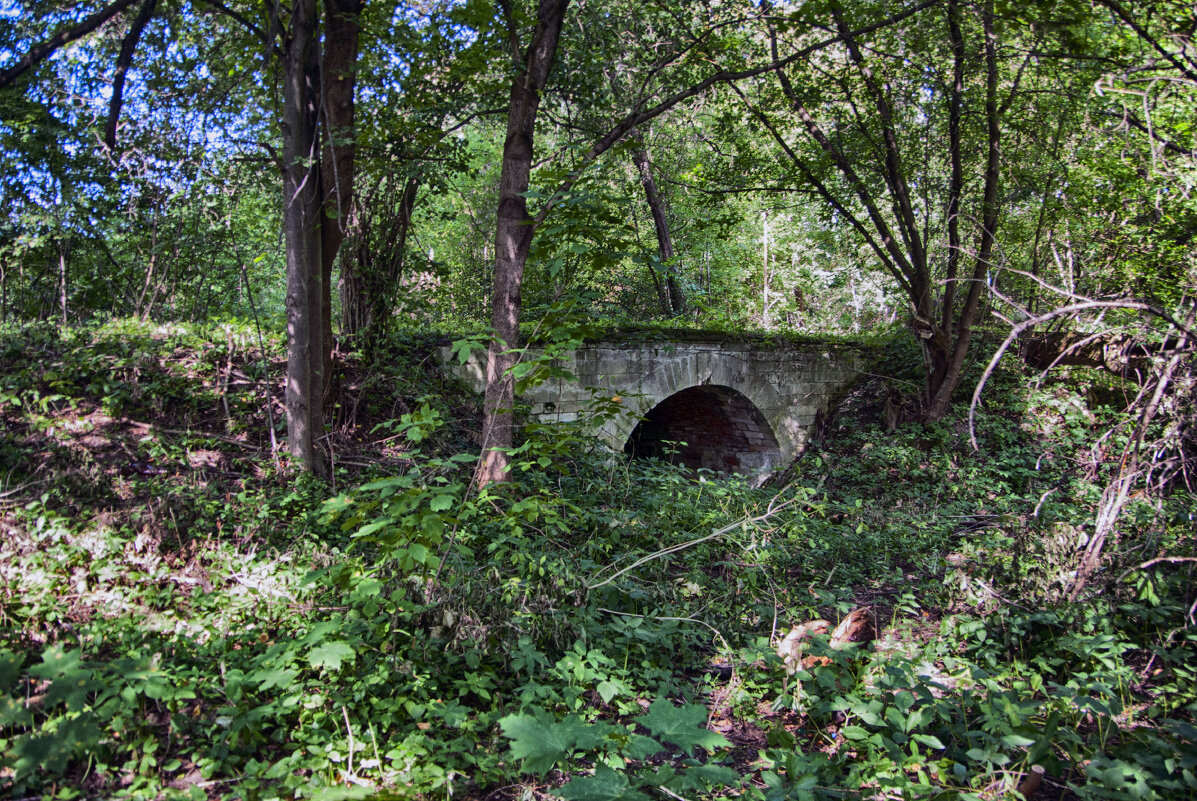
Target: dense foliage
[(181, 619), (249, 549)]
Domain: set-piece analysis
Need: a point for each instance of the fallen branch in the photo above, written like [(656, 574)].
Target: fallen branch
[(1156, 561), (1031, 322), (202, 434), (681, 546)]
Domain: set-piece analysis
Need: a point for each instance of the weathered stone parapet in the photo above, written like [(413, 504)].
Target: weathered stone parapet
[(788, 383)]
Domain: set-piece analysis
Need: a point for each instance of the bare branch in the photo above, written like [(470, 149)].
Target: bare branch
[(1031, 322), (1158, 560)]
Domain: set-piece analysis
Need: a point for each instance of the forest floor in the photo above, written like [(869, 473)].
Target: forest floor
[(180, 616)]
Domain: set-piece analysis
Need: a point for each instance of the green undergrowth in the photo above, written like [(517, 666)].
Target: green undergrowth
[(596, 629)]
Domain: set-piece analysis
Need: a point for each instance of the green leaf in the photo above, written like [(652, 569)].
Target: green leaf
[(610, 688), (715, 775), (604, 785), (684, 726), (641, 748), (278, 677), (10, 668), (1017, 740), (929, 740), (540, 741), (370, 528), (419, 554), (441, 503), (855, 732), (57, 661), (330, 655), (13, 712)]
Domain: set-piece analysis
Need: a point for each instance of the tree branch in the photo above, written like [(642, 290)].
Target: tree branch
[(243, 21), (831, 199), (1143, 34), (1031, 322), (621, 128), (123, 61), (895, 177), (40, 52)]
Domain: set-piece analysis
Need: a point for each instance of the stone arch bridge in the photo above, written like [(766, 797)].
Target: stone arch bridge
[(742, 406)]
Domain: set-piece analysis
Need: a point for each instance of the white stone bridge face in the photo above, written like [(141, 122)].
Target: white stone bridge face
[(732, 407)]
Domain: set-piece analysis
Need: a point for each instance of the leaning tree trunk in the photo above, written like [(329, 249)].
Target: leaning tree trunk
[(672, 300), (513, 237), (342, 25), (301, 218)]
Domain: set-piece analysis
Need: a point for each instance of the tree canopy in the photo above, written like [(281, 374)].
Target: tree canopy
[(258, 542), (745, 165)]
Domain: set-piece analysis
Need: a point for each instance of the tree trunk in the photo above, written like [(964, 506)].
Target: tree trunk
[(765, 269), (945, 380), (301, 210), (944, 330), (63, 249), (355, 308), (513, 234), (342, 24), (673, 302)]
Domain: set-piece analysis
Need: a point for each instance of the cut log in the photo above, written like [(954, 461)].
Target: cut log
[(1030, 782), (790, 649), (859, 626)]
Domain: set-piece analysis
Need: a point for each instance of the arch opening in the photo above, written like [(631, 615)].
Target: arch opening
[(722, 430)]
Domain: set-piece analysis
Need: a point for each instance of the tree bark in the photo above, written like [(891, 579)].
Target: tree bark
[(672, 301), (123, 61), (342, 26), (301, 210), (513, 234)]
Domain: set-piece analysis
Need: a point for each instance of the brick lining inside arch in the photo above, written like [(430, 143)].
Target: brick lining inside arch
[(722, 431)]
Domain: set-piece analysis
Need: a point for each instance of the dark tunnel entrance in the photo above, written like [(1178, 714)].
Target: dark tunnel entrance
[(722, 431)]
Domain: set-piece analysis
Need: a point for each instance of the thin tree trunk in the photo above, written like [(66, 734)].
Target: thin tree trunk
[(301, 208), (368, 280), (63, 247), (513, 234), (956, 156), (765, 268), (673, 302), (940, 390), (338, 73)]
